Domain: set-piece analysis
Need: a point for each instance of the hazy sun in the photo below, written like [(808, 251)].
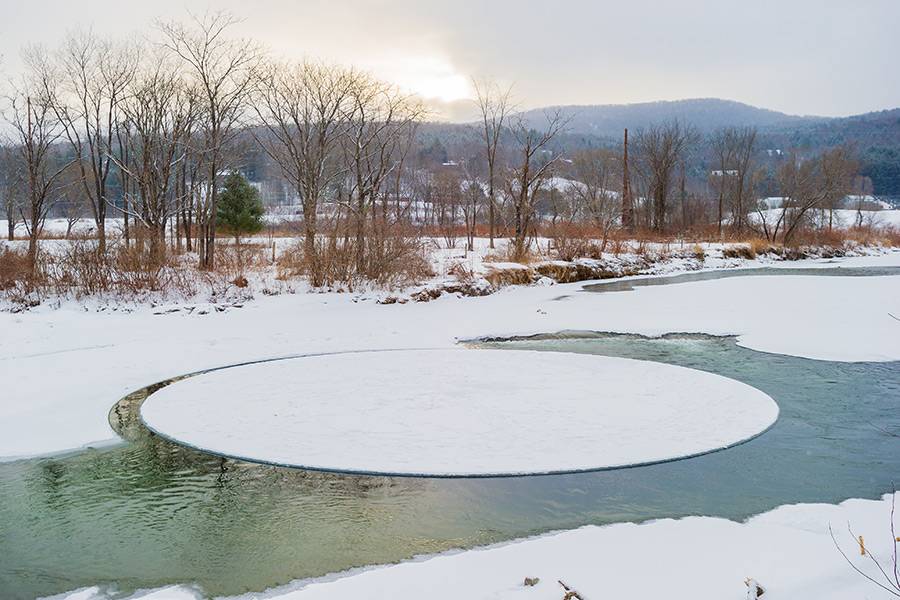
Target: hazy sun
[(429, 77)]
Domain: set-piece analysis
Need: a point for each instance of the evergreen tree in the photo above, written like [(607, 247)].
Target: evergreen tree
[(240, 210)]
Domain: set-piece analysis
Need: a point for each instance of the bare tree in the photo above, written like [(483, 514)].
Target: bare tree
[(94, 76), (527, 174), (11, 184), (810, 184), (862, 191), (494, 104), (378, 126), (303, 109), (723, 159), (36, 131), (224, 70), (660, 149), (596, 170), (72, 198), (745, 176), (159, 111), (735, 177), (473, 195), (448, 200)]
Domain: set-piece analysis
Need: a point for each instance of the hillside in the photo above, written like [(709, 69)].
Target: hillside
[(706, 114), (876, 135)]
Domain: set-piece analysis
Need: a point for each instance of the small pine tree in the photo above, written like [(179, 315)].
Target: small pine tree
[(240, 209)]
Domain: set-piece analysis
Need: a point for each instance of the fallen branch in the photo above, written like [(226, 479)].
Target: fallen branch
[(570, 593)]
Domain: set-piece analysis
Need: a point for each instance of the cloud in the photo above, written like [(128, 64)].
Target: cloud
[(805, 56)]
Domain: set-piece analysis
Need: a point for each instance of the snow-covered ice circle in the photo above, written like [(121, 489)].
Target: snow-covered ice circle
[(458, 412)]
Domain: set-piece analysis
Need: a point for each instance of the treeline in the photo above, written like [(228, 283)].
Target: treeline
[(148, 133)]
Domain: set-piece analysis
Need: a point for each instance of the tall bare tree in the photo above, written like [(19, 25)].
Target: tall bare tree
[(94, 76), (36, 131), (722, 145), (533, 161), (810, 184), (11, 185), (596, 172), (494, 104), (378, 126), (660, 149), (158, 111), (224, 69), (304, 109), (735, 176)]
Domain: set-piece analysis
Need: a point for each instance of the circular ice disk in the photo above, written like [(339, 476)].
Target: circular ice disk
[(458, 412)]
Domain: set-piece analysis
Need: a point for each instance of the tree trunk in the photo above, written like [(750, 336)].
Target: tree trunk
[(360, 236), (309, 246), (33, 248), (101, 235), (491, 212)]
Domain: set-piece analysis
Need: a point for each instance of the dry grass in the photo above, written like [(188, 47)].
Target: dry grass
[(501, 277), (79, 270), (14, 268), (392, 261)]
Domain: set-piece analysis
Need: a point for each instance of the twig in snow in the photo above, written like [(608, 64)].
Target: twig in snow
[(893, 586), (570, 593), (754, 590)]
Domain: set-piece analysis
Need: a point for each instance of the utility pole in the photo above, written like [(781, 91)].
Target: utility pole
[(627, 203)]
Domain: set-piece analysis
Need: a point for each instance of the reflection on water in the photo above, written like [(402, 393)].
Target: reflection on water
[(149, 513)]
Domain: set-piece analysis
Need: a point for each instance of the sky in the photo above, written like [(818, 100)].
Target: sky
[(814, 57)]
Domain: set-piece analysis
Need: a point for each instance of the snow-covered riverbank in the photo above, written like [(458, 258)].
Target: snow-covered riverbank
[(64, 368), (789, 551)]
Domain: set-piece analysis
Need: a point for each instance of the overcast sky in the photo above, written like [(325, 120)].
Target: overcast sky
[(819, 57)]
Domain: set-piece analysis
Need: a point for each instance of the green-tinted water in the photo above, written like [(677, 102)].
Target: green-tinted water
[(148, 513)]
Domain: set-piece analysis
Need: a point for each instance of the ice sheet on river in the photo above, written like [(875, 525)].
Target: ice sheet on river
[(459, 412)]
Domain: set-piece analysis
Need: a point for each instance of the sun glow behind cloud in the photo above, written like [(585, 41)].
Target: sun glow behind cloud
[(431, 77)]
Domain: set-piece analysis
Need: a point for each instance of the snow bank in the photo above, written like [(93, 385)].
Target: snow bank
[(788, 551), (459, 412)]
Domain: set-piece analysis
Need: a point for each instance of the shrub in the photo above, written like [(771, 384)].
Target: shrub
[(739, 251), (698, 252)]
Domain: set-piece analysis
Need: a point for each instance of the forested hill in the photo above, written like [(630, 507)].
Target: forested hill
[(706, 114), (875, 136)]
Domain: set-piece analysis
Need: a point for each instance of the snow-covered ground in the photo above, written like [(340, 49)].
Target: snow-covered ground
[(64, 368), (459, 412), (843, 218), (788, 551)]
